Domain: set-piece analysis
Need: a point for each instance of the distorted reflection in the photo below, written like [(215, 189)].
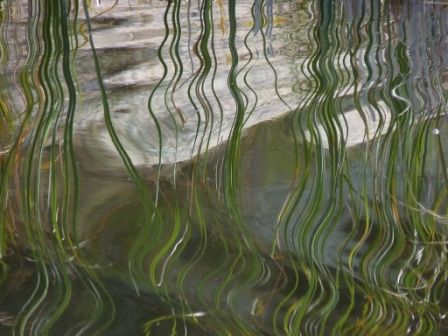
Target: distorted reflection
[(223, 167)]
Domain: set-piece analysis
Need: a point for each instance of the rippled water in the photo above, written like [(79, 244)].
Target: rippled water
[(223, 168)]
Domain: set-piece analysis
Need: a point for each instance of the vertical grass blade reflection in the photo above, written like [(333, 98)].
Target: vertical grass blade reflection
[(228, 167)]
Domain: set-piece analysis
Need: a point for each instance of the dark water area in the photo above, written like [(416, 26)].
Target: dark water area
[(223, 168)]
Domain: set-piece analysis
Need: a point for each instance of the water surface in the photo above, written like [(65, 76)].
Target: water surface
[(223, 168)]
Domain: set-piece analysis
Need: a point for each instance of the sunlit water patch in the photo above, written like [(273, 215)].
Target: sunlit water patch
[(223, 168)]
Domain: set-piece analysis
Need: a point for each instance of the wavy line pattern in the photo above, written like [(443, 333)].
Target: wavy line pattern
[(223, 167)]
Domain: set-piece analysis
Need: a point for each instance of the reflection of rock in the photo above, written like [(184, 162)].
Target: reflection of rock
[(193, 105), (365, 188), (356, 128), (268, 165), (194, 111), (111, 214)]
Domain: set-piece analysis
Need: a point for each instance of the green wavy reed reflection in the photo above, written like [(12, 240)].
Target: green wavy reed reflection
[(223, 167)]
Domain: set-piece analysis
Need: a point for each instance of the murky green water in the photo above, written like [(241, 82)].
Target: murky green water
[(223, 168)]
